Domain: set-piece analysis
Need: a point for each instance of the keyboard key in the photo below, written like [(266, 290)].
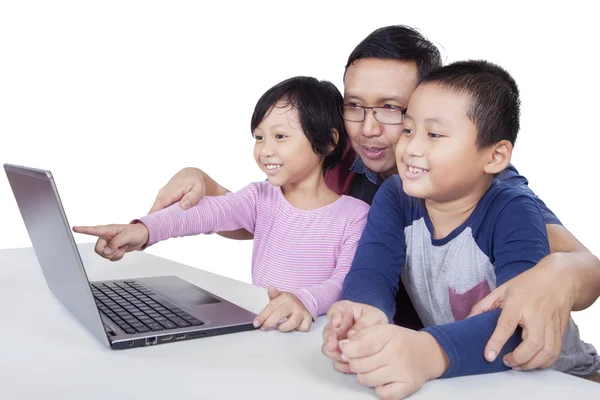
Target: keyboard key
[(155, 326), (168, 324), (194, 321), (180, 322)]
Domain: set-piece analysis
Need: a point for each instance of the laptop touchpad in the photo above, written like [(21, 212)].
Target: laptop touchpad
[(182, 292)]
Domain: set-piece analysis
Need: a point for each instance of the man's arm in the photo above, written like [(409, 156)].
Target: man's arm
[(188, 187), (573, 260)]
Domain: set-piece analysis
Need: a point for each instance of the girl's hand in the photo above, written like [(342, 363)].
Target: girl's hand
[(116, 240), (284, 305)]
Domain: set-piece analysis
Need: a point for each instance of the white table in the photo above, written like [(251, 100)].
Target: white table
[(45, 353)]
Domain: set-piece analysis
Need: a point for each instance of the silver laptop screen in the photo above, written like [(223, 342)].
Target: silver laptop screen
[(55, 248)]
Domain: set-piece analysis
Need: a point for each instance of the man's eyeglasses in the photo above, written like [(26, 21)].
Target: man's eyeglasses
[(387, 114)]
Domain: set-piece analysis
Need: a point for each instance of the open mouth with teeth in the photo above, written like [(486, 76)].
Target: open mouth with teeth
[(412, 172), (416, 170), (272, 168)]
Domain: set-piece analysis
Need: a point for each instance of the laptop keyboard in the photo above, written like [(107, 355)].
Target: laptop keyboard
[(129, 305)]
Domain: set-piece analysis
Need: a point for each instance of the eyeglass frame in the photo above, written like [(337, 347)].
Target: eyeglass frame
[(365, 108)]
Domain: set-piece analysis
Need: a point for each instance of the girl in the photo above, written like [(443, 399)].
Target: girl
[(305, 235)]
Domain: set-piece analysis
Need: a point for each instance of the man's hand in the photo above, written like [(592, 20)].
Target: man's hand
[(283, 305), (540, 301), (186, 186), (116, 240), (345, 317), (395, 361)]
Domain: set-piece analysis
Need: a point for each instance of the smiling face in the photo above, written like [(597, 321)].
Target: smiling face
[(282, 150), (372, 82), (437, 155)]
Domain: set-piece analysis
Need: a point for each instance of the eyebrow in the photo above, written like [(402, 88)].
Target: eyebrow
[(428, 120), (277, 126), (399, 99)]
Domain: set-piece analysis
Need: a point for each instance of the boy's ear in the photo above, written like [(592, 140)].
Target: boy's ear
[(500, 155)]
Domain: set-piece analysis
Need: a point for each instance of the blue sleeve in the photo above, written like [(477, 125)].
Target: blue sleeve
[(519, 242), (511, 176), (375, 272)]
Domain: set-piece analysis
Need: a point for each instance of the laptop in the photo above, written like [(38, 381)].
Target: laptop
[(122, 314)]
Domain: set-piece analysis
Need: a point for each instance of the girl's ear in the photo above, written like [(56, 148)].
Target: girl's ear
[(336, 139)]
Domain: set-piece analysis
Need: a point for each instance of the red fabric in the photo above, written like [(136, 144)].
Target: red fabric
[(339, 178)]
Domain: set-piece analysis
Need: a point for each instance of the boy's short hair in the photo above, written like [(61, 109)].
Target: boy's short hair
[(495, 104), (318, 104), (398, 42)]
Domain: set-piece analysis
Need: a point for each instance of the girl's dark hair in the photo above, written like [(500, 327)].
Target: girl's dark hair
[(318, 104)]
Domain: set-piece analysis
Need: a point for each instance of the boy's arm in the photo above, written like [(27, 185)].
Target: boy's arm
[(519, 242), (318, 298), (188, 187), (212, 214), (375, 272), (573, 268), (566, 280)]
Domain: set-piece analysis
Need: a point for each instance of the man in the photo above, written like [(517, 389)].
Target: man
[(381, 74)]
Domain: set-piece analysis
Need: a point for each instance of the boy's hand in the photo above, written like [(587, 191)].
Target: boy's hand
[(116, 240), (344, 317), (394, 360), (284, 305)]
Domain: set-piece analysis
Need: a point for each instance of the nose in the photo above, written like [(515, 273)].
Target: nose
[(416, 146), (371, 127), (267, 149)]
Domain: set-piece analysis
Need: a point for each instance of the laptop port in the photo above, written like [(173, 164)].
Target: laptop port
[(180, 336), (130, 343), (151, 340), (165, 338)]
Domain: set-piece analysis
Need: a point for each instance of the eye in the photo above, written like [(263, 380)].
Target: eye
[(280, 136), (392, 108), (435, 135), (352, 105), (258, 138), (407, 132)]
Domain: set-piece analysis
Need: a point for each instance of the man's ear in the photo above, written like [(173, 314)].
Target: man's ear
[(499, 157)]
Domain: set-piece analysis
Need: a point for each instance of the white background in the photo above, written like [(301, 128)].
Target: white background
[(114, 97)]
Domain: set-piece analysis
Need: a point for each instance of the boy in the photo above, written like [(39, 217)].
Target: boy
[(452, 232)]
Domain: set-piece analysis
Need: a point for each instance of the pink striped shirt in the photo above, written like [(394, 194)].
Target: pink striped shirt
[(307, 253)]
